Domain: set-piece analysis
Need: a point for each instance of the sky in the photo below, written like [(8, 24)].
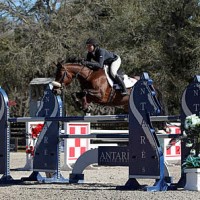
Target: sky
[(19, 2)]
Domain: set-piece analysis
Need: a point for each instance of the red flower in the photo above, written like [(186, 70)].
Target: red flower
[(36, 131)]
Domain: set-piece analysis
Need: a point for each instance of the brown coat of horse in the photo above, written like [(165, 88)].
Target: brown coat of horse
[(94, 85)]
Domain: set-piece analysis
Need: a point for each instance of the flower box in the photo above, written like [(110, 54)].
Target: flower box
[(192, 179)]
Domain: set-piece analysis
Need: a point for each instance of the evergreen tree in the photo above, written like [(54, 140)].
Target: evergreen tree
[(160, 37)]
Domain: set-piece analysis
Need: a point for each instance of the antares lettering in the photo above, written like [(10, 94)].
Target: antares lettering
[(114, 157)]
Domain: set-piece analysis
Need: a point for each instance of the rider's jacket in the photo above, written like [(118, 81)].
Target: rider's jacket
[(101, 56)]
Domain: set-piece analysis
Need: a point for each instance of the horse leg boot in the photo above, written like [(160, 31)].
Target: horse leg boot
[(122, 85)]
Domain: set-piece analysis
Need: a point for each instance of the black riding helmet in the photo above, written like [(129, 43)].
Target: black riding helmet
[(92, 41)]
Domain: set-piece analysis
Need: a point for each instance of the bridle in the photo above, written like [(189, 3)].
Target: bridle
[(65, 75)]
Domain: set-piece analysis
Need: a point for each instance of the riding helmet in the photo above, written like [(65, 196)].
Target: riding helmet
[(92, 41)]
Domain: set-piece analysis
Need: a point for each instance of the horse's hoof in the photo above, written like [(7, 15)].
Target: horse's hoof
[(75, 99), (87, 109), (57, 92)]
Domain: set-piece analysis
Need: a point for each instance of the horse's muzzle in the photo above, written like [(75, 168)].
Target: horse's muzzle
[(57, 91), (57, 88)]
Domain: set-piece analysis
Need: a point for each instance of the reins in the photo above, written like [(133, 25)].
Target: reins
[(76, 76)]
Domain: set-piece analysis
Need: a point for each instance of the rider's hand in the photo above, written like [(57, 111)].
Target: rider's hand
[(83, 62)]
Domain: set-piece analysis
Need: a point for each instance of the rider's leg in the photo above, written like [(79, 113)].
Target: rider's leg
[(113, 70), (114, 67), (122, 85)]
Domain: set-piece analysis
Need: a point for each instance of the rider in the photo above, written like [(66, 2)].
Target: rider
[(103, 57)]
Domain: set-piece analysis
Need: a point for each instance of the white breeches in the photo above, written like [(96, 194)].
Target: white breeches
[(115, 66)]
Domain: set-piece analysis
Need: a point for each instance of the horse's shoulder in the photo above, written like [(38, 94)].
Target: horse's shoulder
[(96, 74), (102, 71), (99, 72)]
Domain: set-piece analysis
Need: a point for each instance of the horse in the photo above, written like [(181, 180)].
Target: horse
[(94, 86)]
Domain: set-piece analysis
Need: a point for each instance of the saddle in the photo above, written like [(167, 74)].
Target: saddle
[(128, 81)]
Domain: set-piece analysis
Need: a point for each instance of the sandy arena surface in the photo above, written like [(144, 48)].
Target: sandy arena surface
[(99, 183)]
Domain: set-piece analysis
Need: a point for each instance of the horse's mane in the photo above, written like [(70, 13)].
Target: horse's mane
[(73, 60), (73, 64)]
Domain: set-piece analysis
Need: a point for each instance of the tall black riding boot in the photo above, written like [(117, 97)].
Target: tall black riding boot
[(122, 85)]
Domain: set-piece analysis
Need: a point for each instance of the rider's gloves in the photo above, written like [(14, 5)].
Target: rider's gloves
[(91, 65)]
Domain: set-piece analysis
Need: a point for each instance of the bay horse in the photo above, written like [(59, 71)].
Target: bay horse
[(94, 86)]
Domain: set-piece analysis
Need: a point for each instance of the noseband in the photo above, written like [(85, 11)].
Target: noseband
[(63, 77)]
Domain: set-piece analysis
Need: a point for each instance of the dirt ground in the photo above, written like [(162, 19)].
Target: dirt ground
[(100, 183)]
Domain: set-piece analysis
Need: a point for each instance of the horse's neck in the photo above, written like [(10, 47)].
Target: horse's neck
[(76, 70)]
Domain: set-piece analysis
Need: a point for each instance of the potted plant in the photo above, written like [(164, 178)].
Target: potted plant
[(191, 165)]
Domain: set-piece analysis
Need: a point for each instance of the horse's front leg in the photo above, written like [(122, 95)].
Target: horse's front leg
[(95, 93), (80, 101), (88, 94), (84, 96), (76, 98)]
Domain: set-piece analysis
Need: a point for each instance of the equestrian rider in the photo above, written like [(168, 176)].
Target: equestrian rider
[(103, 57)]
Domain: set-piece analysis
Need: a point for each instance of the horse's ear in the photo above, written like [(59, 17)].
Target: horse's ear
[(58, 65), (53, 64)]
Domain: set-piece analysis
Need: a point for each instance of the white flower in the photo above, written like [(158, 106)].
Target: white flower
[(192, 152), (189, 144), (192, 122), (192, 130)]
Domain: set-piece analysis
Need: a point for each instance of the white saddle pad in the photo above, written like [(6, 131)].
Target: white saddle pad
[(128, 81)]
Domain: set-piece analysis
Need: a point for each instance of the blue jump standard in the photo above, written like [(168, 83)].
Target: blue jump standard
[(5, 141), (47, 149)]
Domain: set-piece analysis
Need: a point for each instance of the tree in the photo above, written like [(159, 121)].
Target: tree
[(160, 37)]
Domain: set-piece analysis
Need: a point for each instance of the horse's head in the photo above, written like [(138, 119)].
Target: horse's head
[(62, 77)]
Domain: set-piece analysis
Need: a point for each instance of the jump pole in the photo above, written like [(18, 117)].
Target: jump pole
[(93, 119)]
